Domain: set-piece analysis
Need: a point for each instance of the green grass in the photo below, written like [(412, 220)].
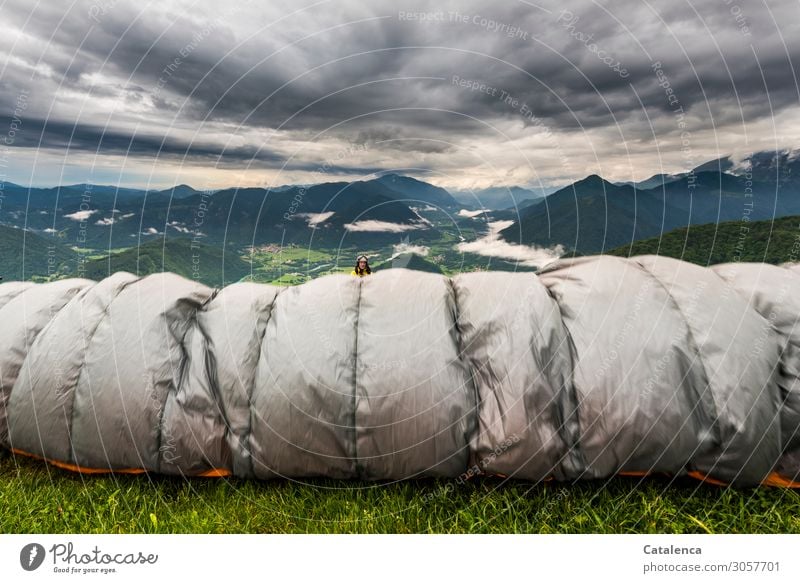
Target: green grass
[(35, 497)]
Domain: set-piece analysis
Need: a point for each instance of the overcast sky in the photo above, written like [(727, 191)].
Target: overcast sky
[(463, 94)]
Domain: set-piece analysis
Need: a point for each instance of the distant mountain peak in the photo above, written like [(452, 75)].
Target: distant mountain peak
[(412, 188), (179, 191), (179, 187), (594, 180), (393, 175)]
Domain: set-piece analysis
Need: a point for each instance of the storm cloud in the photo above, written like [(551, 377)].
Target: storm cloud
[(466, 94)]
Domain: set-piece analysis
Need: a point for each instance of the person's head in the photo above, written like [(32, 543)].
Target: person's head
[(362, 264)]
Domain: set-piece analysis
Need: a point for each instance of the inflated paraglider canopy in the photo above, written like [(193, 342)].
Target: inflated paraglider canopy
[(594, 367)]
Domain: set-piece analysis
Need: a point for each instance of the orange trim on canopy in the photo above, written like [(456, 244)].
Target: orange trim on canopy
[(215, 473), (704, 478), (773, 479), (212, 473), (79, 469)]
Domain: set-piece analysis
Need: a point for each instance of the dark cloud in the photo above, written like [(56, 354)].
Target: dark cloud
[(357, 72), (37, 133)]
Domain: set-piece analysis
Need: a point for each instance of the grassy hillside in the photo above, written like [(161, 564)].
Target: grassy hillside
[(774, 241), (205, 263), (26, 255)]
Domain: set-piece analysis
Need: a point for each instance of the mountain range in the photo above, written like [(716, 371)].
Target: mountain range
[(99, 216), (63, 226), (592, 215)]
